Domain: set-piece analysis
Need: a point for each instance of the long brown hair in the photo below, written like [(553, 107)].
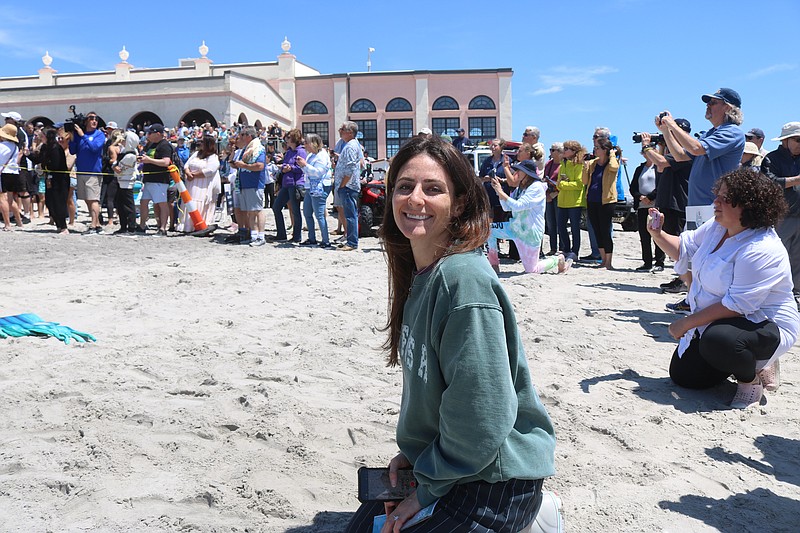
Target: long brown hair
[(469, 229), (208, 146)]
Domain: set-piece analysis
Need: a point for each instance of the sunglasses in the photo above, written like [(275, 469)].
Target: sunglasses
[(713, 102), (92, 117)]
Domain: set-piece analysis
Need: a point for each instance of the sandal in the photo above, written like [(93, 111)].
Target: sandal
[(748, 394), (770, 376)]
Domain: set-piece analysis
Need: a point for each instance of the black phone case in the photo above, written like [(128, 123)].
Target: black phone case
[(373, 485)]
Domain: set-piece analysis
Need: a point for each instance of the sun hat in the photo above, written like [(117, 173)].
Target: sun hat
[(9, 133), (751, 148), (528, 167), (790, 129)]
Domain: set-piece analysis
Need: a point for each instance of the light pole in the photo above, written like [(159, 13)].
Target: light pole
[(369, 58)]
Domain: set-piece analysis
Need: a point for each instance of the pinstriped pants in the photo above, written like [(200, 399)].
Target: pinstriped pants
[(479, 507)]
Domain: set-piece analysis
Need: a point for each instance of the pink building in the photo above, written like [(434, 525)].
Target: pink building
[(390, 107)]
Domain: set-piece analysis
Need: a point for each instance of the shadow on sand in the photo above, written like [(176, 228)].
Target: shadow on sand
[(324, 522), (663, 391), (757, 510)]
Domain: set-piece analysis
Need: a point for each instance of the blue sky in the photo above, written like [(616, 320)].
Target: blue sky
[(614, 63)]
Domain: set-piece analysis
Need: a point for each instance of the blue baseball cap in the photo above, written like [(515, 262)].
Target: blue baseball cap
[(725, 94)]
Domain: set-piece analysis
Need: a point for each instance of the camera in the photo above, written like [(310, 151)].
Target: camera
[(78, 119), (655, 138)]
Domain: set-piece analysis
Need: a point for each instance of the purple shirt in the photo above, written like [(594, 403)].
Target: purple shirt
[(293, 178)]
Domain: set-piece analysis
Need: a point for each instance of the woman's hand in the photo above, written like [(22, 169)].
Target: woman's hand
[(400, 513), (300, 161), (286, 168), (644, 200), (498, 188), (656, 221), (398, 462), (679, 328)]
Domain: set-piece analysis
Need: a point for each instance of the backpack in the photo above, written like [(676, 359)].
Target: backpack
[(176, 160)]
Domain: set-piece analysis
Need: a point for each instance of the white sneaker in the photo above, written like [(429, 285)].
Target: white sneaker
[(549, 518)]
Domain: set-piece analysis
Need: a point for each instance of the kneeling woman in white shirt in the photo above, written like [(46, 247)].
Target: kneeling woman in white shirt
[(743, 314)]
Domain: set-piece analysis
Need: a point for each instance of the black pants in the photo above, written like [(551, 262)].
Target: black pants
[(480, 507), (108, 194), (269, 195), (56, 199), (126, 209), (600, 216), (647, 241), (727, 346)]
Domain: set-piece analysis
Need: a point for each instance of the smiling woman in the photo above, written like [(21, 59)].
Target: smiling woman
[(471, 425)]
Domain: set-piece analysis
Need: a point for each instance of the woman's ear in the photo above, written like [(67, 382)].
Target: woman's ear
[(458, 207)]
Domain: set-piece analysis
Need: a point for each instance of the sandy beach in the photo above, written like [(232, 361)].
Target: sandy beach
[(239, 389)]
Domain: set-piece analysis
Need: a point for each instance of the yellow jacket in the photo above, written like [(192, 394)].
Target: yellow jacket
[(609, 192), (571, 191)]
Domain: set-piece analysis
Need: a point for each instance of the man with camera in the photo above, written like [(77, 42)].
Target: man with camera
[(716, 152), (87, 145), (157, 157)]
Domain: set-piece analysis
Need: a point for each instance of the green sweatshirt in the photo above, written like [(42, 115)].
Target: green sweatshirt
[(469, 411)]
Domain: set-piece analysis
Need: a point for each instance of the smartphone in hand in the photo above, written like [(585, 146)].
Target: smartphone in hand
[(374, 485), (654, 219)]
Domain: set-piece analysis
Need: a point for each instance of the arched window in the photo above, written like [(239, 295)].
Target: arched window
[(445, 103), (482, 102), (144, 118), (315, 107), (362, 105), (398, 104), (197, 117)]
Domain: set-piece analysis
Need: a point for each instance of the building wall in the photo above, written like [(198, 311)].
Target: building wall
[(267, 92), (420, 88)]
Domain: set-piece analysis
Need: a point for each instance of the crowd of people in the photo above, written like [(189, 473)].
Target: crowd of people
[(531, 198), (471, 426)]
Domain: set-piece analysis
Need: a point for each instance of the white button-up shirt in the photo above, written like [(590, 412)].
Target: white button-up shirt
[(750, 274)]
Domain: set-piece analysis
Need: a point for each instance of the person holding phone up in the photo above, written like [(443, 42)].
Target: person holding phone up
[(743, 316)]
